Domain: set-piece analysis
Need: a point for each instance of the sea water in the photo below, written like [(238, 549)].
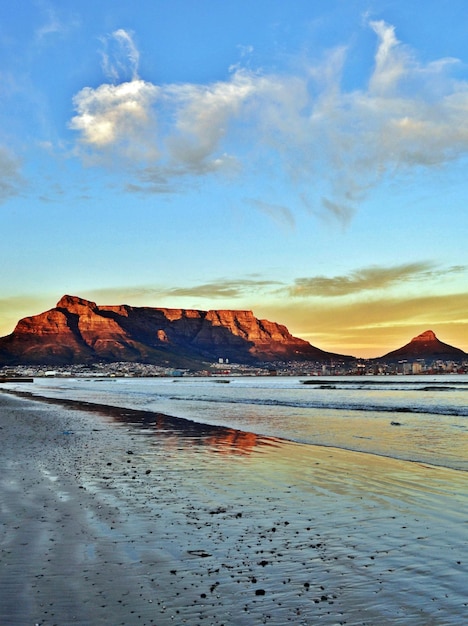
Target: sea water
[(413, 418)]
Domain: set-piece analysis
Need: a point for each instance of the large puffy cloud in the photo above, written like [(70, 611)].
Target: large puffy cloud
[(333, 144), (117, 118), (193, 119)]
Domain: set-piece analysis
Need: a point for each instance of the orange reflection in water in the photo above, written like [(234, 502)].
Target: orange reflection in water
[(231, 441), (219, 439)]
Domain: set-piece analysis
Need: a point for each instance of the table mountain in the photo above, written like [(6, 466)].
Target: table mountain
[(426, 346), (80, 331)]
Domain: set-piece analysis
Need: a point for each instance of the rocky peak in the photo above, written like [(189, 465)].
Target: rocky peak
[(425, 337), (74, 304), (425, 346)]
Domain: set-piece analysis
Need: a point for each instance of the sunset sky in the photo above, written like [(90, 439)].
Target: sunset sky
[(306, 160)]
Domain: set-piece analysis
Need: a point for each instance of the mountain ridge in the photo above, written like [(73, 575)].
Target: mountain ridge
[(80, 331)]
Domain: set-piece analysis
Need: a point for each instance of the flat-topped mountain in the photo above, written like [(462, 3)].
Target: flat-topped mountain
[(80, 331), (426, 346)]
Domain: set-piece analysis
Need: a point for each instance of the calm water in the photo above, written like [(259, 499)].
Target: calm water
[(415, 418)]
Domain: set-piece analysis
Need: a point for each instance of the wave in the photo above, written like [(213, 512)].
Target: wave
[(434, 388), (459, 411), (382, 382)]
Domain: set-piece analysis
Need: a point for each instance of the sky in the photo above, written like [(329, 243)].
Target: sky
[(305, 160)]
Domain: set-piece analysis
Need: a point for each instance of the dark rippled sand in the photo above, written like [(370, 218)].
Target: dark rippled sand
[(114, 517)]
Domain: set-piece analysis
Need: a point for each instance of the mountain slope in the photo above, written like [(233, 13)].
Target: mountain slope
[(425, 346), (80, 331)]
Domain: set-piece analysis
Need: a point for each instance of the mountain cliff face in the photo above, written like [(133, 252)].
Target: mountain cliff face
[(426, 346), (80, 331)]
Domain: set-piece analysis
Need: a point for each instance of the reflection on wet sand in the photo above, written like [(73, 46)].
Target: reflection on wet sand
[(219, 439)]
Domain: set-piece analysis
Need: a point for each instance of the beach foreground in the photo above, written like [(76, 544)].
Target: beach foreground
[(117, 517)]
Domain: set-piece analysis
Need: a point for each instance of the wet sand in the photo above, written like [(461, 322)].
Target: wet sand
[(111, 517)]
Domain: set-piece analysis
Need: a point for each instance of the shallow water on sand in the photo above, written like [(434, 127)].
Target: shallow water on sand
[(416, 418)]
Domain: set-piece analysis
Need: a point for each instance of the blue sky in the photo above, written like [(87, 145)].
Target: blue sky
[(306, 160)]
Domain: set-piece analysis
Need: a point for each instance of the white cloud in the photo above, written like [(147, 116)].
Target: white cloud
[(333, 144), (390, 60), (122, 118), (202, 115), (117, 117), (120, 56)]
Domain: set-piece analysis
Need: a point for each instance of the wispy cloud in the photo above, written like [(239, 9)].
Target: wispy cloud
[(51, 24), (11, 180), (365, 279), (367, 284), (57, 21), (279, 213), (409, 116), (224, 288), (120, 56), (333, 144)]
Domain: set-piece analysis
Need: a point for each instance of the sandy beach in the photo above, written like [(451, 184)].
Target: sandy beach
[(113, 517)]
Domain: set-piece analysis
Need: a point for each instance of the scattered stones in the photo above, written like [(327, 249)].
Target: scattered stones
[(218, 511), (201, 553)]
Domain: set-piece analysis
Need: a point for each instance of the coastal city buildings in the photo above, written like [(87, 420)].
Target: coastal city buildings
[(225, 368)]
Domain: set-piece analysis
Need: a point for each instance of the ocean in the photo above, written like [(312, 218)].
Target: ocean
[(412, 418)]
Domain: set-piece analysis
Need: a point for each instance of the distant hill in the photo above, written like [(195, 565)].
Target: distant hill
[(80, 331), (425, 346)]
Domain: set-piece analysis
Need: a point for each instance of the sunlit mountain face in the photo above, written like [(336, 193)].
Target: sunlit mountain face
[(80, 331)]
